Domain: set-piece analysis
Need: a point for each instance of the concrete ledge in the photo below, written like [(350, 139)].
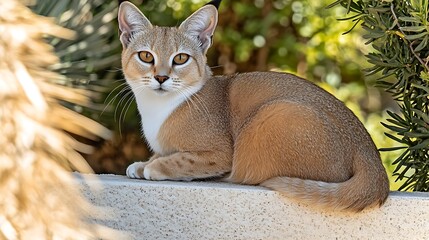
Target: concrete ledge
[(212, 210)]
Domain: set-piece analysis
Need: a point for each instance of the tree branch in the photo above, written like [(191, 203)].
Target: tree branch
[(410, 45)]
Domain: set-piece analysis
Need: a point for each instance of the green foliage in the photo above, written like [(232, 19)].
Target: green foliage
[(301, 37), (399, 33), (85, 61), (93, 48)]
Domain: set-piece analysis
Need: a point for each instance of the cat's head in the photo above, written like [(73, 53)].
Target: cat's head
[(166, 60)]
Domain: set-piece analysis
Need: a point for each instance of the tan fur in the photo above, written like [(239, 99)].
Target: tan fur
[(272, 129)]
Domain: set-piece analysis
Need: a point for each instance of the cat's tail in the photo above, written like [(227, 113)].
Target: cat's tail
[(368, 187)]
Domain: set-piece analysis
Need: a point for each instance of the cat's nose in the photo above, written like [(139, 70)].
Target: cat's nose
[(161, 79)]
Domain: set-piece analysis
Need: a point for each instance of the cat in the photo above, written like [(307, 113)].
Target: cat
[(261, 128)]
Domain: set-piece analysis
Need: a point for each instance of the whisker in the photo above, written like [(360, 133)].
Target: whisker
[(200, 101), (126, 106), (197, 102), (202, 104), (186, 93), (118, 120), (121, 101), (115, 69), (125, 109), (126, 88), (217, 66), (119, 80), (113, 90), (186, 99)]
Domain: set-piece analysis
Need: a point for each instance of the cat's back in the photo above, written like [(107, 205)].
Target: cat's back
[(248, 92), (255, 88)]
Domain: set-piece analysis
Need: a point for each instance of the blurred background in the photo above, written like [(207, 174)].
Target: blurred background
[(302, 37)]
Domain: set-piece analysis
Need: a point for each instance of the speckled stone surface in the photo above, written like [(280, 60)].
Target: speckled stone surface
[(213, 210)]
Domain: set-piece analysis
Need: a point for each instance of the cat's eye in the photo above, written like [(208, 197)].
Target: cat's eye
[(180, 58), (146, 57)]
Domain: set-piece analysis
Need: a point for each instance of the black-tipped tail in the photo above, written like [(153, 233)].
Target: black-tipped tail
[(215, 3)]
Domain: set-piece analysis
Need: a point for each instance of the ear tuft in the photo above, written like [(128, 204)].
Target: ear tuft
[(131, 20), (215, 3), (201, 25)]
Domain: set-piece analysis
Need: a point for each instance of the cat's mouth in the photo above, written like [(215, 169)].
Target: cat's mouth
[(160, 90)]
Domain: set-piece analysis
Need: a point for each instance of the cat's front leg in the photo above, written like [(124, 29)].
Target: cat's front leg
[(135, 170), (187, 166)]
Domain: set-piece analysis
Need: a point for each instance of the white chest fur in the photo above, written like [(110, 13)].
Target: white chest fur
[(154, 110)]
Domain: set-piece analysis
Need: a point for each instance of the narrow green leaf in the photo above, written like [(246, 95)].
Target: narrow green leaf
[(410, 19), (421, 114), (385, 64), (416, 36), (373, 70), (421, 145), (396, 117), (400, 166), (351, 29), (402, 124), (350, 18), (413, 28), (404, 171), (380, 9), (383, 83), (422, 44), (426, 89), (416, 135), (406, 186), (393, 137), (394, 128), (391, 149), (403, 156), (334, 4)]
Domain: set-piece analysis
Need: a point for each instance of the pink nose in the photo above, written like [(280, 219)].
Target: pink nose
[(161, 79)]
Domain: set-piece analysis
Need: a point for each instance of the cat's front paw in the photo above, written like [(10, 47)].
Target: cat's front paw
[(143, 170), (135, 170), (151, 172)]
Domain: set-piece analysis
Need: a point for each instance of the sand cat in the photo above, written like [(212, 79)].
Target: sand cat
[(261, 128)]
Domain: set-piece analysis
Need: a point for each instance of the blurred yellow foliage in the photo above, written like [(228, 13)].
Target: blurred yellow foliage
[(38, 200)]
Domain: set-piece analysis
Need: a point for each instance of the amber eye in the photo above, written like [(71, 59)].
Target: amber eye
[(146, 57), (180, 58)]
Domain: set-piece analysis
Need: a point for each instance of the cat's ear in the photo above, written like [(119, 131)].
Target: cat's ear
[(201, 25), (131, 20)]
